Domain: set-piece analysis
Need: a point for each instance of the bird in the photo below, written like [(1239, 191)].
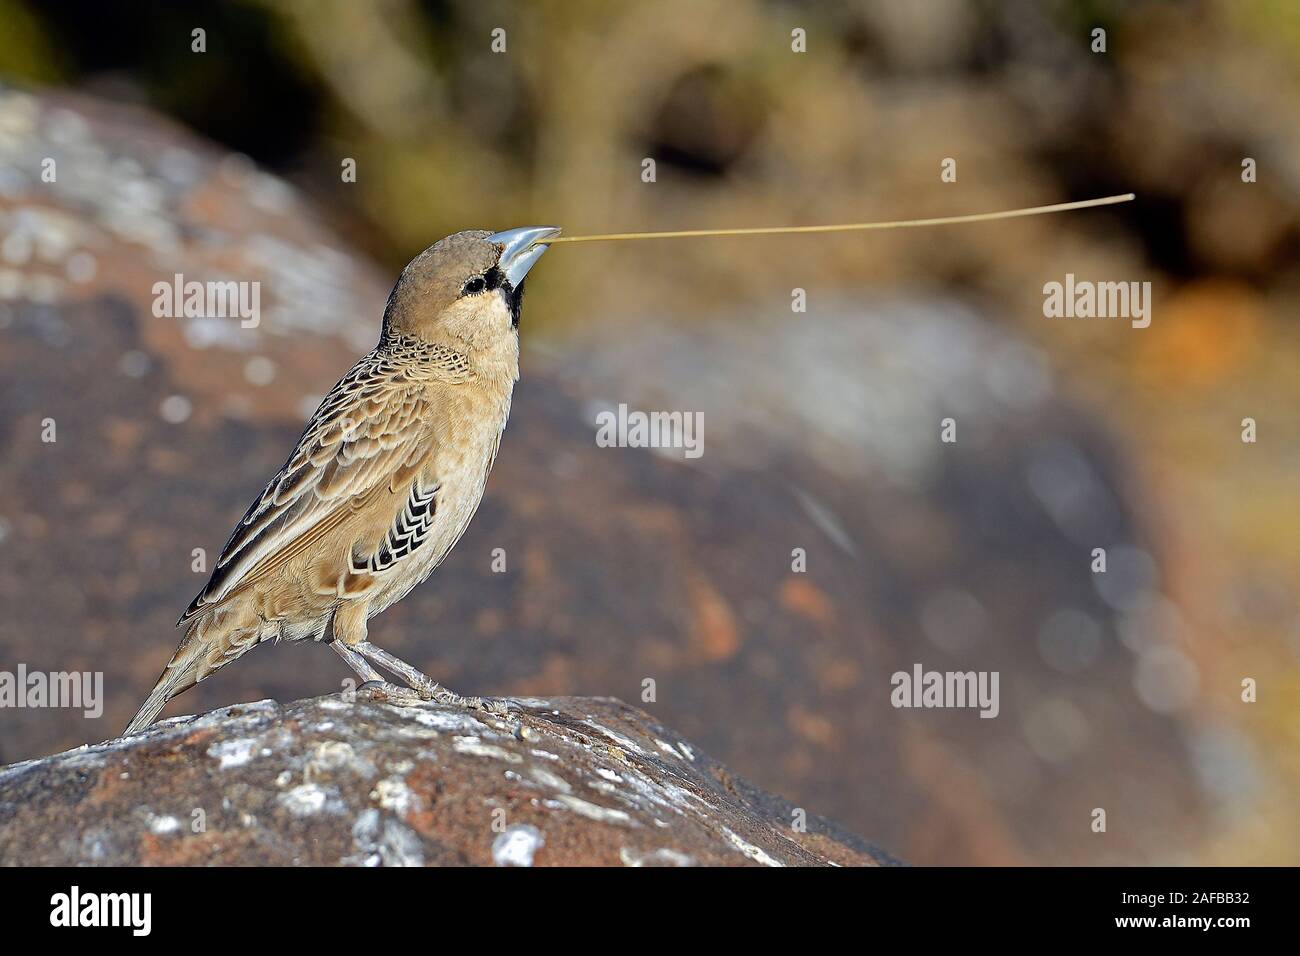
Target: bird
[(382, 483)]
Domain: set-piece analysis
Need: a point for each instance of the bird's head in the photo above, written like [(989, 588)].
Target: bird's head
[(466, 290)]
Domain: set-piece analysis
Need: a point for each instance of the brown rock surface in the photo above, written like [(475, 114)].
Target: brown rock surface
[(328, 781)]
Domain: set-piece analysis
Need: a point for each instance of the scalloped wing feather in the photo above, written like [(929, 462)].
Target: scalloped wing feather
[(369, 434)]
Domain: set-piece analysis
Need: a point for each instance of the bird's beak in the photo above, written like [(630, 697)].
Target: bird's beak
[(520, 248)]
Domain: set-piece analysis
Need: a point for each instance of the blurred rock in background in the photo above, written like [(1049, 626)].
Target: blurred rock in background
[(821, 427)]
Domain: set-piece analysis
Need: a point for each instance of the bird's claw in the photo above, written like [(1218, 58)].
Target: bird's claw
[(384, 692), (490, 705), (497, 706)]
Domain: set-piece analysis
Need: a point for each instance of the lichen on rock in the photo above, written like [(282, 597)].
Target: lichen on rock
[(342, 781)]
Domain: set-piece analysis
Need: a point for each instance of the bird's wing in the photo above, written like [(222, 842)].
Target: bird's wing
[(369, 436)]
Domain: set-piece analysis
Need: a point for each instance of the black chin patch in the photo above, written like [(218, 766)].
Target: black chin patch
[(514, 299)]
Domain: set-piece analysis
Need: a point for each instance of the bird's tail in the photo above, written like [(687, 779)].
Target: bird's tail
[(210, 643), (182, 672)]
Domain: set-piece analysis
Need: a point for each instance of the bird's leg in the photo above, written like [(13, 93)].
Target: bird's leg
[(348, 625), (372, 680), (425, 685), (356, 662)]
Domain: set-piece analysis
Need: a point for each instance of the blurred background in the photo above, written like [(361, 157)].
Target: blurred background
[(1121, 691)]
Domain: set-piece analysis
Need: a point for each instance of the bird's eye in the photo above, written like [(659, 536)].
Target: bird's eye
[(474, 286)]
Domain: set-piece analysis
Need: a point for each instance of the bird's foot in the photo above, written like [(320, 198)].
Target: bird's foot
[(488, 705), (383, 692), (424, 686), (497, 706)]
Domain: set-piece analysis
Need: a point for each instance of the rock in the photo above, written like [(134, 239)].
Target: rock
[(327, 781)]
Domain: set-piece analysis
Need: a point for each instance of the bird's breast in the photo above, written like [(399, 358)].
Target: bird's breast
[(467, 435)]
